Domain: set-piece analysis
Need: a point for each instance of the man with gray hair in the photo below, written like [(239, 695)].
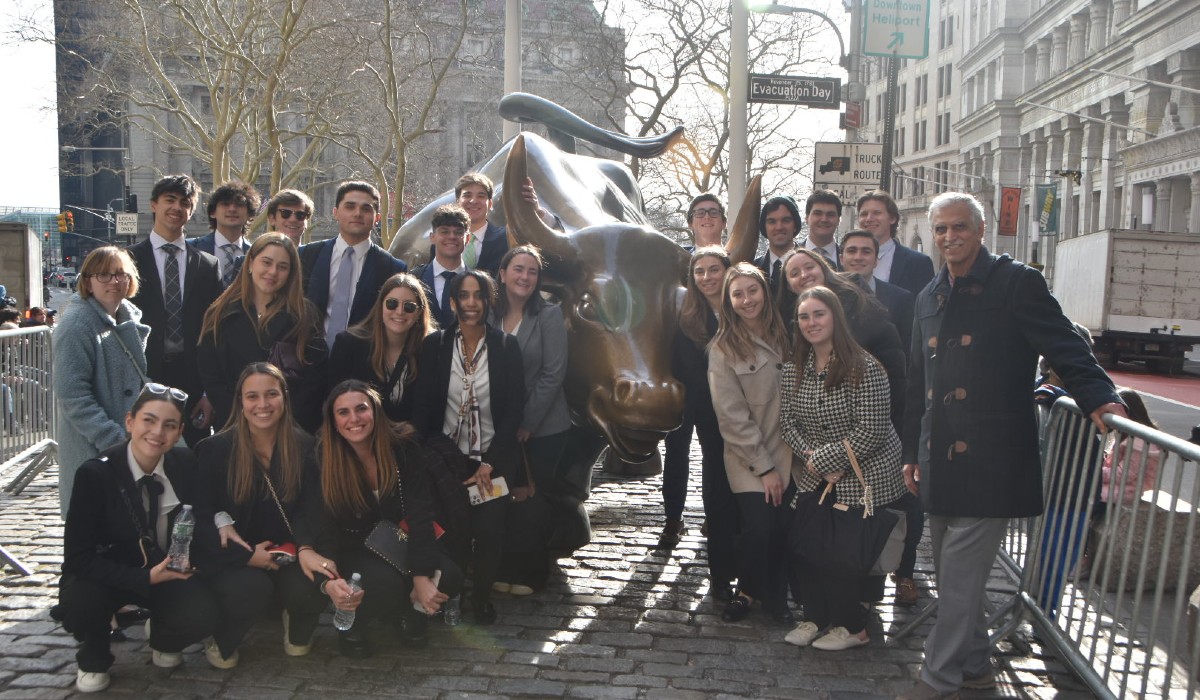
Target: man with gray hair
[(970, 432)]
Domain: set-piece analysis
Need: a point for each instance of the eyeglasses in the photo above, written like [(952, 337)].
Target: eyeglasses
[(170, 393), (408, 306), (106, 277), (285, 213), (706, 214)]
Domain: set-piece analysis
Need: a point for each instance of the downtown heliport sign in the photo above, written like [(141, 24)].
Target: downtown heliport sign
[(896, 28)]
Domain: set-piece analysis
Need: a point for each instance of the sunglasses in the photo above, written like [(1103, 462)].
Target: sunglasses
[(163, 391), (408, 306), (285, 213)]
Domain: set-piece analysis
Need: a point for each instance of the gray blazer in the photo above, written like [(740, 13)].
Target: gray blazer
[(95, 382), (543, 342)]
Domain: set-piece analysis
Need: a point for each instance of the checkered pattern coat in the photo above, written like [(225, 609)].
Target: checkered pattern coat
[(815, 419)]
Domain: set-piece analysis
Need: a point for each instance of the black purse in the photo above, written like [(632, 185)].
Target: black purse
[(842, 539), (390, 543)]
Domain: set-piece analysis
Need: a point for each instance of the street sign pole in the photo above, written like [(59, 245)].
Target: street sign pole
[(889, 125)]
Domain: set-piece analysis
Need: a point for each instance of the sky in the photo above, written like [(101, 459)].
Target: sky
[(28, 125)]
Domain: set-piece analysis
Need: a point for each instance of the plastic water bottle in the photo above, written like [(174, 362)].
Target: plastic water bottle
[(179, 556), (452, 611), (344, 619)]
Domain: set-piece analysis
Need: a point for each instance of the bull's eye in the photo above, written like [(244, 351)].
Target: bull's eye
[(587, 309)]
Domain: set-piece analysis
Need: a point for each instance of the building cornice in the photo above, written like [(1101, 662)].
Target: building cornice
[(1176, 153)]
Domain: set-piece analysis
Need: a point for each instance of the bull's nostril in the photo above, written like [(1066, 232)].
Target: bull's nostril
[(623, 390)]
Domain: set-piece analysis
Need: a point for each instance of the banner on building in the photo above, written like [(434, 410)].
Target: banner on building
[(1047, 203), (1010, 209)]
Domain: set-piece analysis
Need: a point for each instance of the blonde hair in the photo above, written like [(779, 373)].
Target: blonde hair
[(102, 259)]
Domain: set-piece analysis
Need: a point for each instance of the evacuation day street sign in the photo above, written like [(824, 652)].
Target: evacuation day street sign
[(897, 28), (821, 93)]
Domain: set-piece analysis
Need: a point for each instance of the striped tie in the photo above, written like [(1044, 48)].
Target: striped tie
[(228, 267)]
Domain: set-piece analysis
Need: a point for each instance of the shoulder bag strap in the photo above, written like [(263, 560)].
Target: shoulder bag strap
[(867, 501)]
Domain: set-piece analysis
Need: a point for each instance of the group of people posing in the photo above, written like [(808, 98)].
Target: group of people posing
[(430, 391)]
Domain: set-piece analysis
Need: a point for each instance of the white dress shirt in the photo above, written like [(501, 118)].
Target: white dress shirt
[(439, 282), (160, 260), (887, 252), (335, 265), (166, 502)]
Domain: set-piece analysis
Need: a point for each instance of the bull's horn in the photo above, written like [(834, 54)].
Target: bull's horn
[(743, 237), (524, 224)]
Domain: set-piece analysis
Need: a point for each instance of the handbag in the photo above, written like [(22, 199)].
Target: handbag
[(283, 356), (389, 543), (842, 539), (282, 553)]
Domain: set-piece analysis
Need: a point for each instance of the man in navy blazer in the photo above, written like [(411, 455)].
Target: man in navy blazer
[(449, 236), (173, 362), (487, 242), (230, 209), (823, 214), (356, 211), (860, 254), (899, 265)]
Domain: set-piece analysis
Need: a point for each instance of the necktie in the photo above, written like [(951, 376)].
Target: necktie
[(829, 257), (152, 489), (446, 275), (173, 299), (470, 257), (339, 306), (231, 252), (776, 269)]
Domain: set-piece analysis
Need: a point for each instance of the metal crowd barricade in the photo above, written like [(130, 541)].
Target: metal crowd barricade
[(1106, 572), (27, 438)]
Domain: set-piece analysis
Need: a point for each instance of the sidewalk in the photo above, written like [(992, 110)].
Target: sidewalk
[(619, 621)]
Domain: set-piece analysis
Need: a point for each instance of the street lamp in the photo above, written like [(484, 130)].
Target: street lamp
[(773, 8)]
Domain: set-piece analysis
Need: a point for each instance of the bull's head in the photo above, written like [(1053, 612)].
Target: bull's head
[(617, 283)]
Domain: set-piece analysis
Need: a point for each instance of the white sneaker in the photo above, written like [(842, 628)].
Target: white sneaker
[(803, 635), (501, 587), (166, 659), (289, 648), (213, 653), (519, 589), (91, 681), (838, 639)]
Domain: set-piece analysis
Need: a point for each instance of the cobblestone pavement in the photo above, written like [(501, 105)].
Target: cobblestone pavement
[(620, 620)]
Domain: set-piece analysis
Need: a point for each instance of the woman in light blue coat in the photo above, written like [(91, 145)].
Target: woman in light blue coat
[(542, 335), (99, 362)]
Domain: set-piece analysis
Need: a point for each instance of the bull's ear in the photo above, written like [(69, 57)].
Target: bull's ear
[(524, 224), (743, 237)]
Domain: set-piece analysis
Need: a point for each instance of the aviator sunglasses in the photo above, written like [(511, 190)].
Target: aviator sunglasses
[(408, 306)]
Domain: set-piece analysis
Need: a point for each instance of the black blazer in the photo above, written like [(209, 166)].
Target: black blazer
[(100, 541), (201, 287), (315, 259), (785, 299), (444, 317), (258, 520), (219, 364), (911, 269), (350, 358), (208, 243), (899, 303), (506, 387)]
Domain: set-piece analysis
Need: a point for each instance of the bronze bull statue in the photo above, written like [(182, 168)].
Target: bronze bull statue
[(618, 281)]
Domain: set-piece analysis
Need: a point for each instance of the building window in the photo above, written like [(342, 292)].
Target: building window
[(902, 101), (946, 33), (949, 85)]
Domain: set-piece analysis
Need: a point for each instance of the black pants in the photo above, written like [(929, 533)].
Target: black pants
[(181, 612), (720, 506), (761, 571), (830, 599), (246, 592), (525, 560), (386, 591)]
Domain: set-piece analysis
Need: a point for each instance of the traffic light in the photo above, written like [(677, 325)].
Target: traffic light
[(70, 221), (62, 223), (46, 235)]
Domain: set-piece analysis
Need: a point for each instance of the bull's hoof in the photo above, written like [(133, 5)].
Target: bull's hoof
[(615, 465)]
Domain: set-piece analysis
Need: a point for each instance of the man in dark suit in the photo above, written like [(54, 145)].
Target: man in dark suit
[(899, 265), (342, 275), (178, 284), (860, 254), (487, 242), (449, 237), (779, 223), (230, 209), (823, 213)]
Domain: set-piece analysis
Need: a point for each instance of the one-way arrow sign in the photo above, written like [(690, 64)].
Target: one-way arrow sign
[(897, 28)]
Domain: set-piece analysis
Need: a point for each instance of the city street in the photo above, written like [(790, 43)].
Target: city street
[(620, 621)]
